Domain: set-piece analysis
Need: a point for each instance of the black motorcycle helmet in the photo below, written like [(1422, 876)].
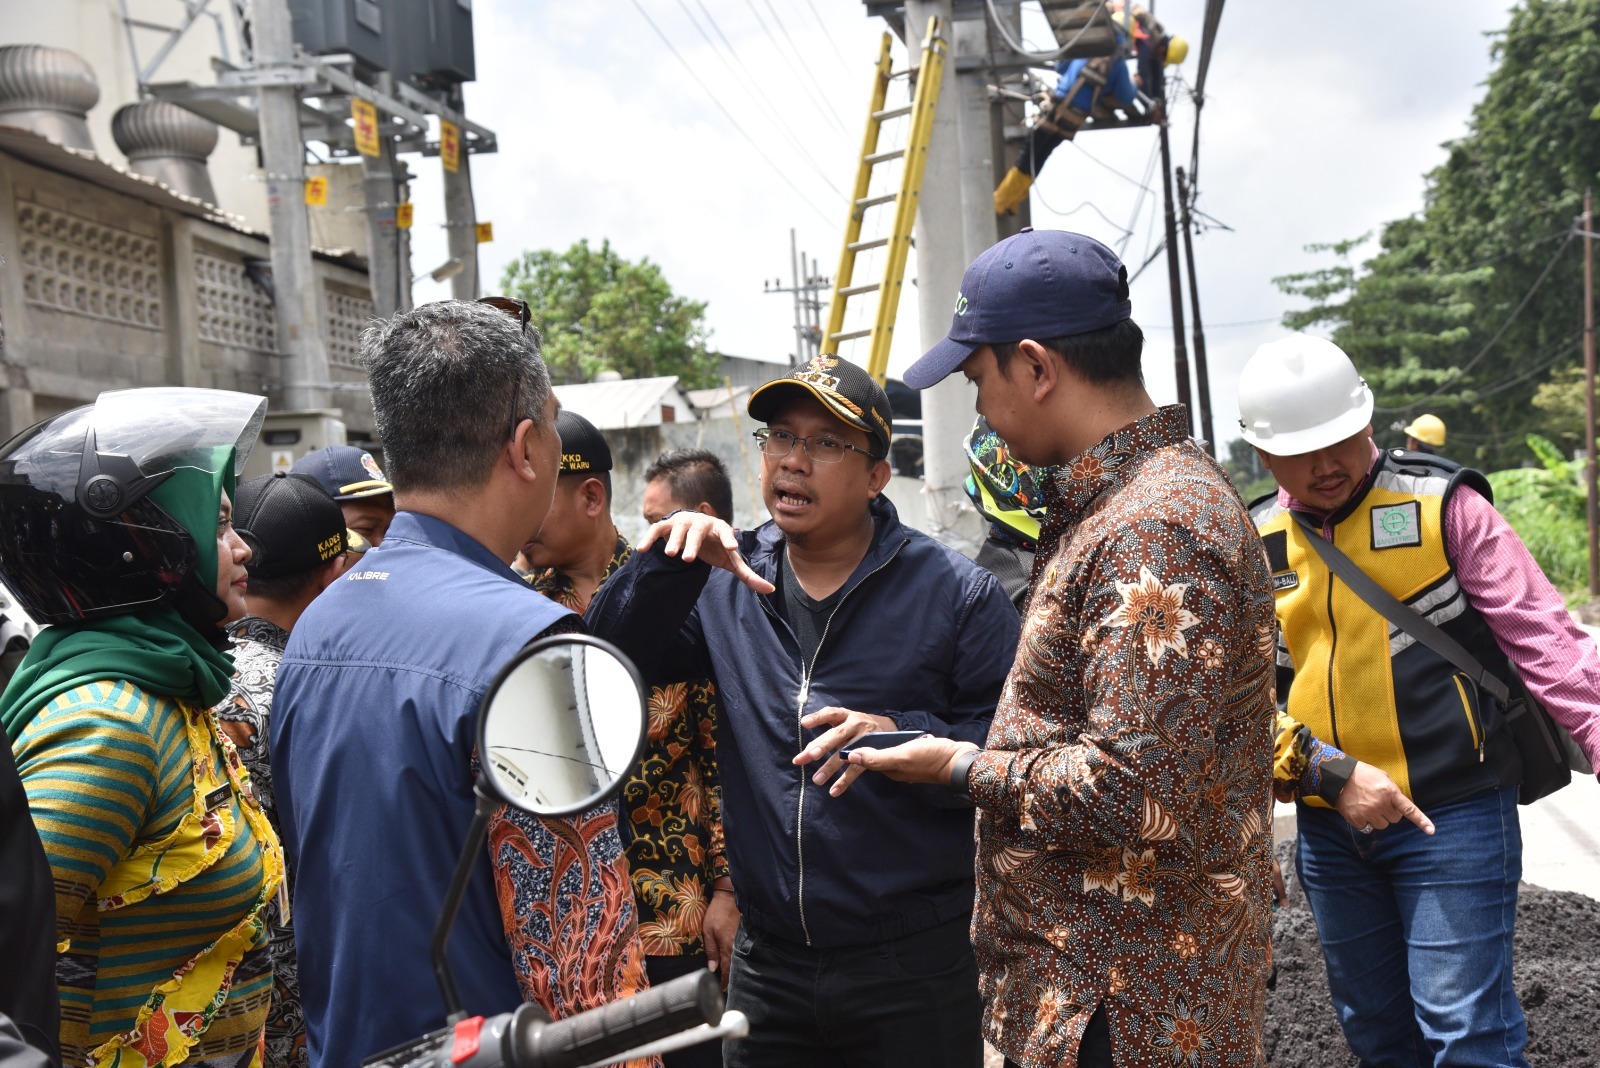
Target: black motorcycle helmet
[(82, 537)]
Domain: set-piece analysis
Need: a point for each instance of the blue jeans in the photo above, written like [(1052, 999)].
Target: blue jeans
[(1416, 932)]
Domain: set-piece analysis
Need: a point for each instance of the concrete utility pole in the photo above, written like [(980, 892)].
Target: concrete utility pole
[(461, 218), (1589, 463), (1007, 111), (283, 157), (957, 186), (383, 177)]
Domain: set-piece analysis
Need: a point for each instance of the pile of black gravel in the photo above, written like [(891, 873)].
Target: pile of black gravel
[(1557, 969)]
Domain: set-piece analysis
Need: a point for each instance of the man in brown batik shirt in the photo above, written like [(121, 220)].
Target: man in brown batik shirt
[(1123, 795)]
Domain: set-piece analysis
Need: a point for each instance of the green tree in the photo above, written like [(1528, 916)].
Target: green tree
[(597, 311), (1468, 307), (1560, 398), (1245, 471), (1547, 507)]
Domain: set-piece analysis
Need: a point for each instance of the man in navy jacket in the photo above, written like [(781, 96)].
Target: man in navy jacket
[(856, 896), (372, 732)]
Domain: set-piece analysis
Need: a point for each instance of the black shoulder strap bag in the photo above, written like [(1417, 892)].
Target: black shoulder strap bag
[(1549, 755)]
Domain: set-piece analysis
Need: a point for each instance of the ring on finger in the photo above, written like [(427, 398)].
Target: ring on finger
[(1367, 829)]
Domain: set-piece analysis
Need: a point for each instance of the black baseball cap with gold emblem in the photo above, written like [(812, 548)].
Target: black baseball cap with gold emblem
[(843, 388), (583, 448)]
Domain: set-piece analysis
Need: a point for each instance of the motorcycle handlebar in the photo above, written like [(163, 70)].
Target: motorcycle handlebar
[(603, 1033)]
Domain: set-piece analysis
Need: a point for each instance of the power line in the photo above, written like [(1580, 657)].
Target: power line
[(1217, 326), (1498, 334), (1109, 167), (1017, 46), (827, 33), (1138, 202), (800, 73), (750, 82), (1148, 260), (1501, 387), (805, 66), (832, 222), (1091, 205)]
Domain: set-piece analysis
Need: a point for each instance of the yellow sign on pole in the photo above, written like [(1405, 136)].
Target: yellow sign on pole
[(365, 116), (485, 233), (316, 192), (402, 216), (450, 145)]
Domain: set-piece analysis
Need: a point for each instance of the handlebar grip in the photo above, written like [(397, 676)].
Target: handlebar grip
[(600, 1033)]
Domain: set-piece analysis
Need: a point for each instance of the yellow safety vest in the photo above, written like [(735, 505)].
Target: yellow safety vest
[(1369, 688)]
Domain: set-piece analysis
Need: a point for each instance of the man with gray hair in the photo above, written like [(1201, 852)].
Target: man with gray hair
[(372, 737)]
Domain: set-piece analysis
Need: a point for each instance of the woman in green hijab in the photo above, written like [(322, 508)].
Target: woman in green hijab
[(115, 528)]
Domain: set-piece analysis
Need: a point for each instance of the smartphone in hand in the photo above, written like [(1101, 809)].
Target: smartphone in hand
[(881, 740)]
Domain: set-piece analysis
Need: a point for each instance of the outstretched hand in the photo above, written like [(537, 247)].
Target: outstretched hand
[(694, 536), (1370, 801), (924, 760)]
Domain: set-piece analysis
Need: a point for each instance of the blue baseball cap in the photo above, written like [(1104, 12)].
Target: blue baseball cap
[(1038, 284), (346, 472)]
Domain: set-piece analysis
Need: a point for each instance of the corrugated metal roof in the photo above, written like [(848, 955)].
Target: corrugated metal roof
[(625, 403)]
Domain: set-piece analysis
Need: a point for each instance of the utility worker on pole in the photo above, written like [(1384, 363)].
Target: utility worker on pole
[(1404, 768), (1425, 434), (1082, 85)]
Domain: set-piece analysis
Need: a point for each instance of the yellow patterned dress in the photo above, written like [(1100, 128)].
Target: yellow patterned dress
[(163, 866)]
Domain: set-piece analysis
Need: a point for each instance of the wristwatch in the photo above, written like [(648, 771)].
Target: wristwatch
[(959, 772)]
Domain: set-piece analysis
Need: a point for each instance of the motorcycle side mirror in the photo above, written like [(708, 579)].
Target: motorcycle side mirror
[(560, 728)]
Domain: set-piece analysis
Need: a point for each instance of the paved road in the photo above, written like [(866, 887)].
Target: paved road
[(1561, 839)]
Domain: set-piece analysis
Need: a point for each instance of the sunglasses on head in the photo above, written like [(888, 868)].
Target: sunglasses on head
[(518, 310)]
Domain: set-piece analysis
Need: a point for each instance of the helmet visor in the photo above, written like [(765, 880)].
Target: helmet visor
[(64, 568), (158, 429), (161, 429)]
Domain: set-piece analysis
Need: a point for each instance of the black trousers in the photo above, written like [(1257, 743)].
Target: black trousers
[(1095, 1049), (910, 1002), (1043, 140), (663, 970)]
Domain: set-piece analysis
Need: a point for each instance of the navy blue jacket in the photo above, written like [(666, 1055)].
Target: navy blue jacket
[(373, 729), (921, 635)]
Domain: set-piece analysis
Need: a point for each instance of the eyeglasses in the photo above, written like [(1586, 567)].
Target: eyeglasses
[(776, 444), (518, 310)]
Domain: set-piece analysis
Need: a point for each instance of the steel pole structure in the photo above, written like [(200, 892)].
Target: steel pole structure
[(1202, 378), (294, 280), (1180, 352), (1589, 462), (796, 269), (942, 258), (461, 218)]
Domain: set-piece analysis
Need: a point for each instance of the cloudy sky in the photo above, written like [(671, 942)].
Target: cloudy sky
[(698, 132)]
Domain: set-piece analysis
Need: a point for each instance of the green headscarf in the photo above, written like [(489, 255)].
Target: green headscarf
[(156, 650)]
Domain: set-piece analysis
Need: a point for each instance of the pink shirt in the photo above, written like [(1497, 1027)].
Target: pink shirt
[(1556, 657)]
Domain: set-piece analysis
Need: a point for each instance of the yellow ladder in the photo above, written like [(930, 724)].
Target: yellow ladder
[(898, 243)]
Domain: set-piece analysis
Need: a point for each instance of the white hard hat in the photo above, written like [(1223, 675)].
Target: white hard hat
[(1300, 394)]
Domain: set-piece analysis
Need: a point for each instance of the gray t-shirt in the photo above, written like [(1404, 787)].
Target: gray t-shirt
[(806, 617)]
